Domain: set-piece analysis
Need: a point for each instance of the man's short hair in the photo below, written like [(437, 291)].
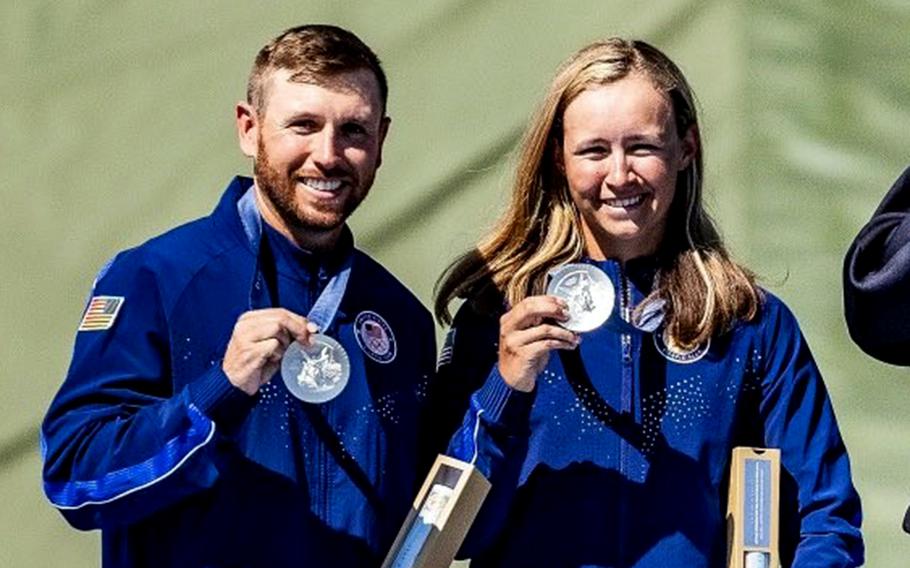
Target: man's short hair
[(313, 54)]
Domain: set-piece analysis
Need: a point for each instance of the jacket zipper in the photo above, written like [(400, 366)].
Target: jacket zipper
[(324, 481), (321, 483), (625, 310)]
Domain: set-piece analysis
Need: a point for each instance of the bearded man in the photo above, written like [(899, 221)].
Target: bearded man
[(247, 389)]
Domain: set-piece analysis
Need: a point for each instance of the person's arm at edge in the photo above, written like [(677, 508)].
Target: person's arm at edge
[(877, 279), (117, 444)]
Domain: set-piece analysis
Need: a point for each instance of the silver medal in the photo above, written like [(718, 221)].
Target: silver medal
[(317, 372), (588, 292)]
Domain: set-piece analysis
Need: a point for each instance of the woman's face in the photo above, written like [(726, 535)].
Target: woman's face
[(621, 155)]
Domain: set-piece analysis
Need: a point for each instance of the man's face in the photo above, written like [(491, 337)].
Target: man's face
[(317, 148)]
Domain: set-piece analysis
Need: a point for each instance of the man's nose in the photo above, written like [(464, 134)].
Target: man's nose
[(328, 151)]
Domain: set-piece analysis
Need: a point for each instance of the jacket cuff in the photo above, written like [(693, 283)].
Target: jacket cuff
[(217, 398), (503, 405)]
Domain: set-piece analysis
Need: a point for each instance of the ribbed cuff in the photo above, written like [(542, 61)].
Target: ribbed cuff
[(220, 400), (504, 405)]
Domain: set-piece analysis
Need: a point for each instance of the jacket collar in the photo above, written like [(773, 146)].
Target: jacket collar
[(637, 273), (229, 214), (237, 216)]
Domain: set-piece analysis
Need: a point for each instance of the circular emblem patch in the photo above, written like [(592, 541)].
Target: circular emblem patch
[(663, 344), (375, 337)]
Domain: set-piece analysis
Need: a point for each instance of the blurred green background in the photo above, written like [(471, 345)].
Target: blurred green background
[(117, 123)]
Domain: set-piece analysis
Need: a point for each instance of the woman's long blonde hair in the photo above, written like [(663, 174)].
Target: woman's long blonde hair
[(704, 291)]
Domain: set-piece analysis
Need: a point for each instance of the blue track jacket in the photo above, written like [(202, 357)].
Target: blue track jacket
[(148, 440), (620, 456)]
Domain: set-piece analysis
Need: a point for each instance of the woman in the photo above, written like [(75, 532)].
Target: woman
[(614, 449)]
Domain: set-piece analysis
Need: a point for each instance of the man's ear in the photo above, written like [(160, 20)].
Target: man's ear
[(383, 130), (689, 146), (247, 128)]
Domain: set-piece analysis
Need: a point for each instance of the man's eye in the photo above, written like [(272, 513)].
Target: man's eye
[(354, 129), (305, 126), (644, 149)]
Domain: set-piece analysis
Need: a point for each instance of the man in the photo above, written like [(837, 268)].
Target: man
[(877, 279), (172, 431)]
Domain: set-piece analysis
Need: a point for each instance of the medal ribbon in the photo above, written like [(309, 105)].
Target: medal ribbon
[(322, 314), (325, 308)]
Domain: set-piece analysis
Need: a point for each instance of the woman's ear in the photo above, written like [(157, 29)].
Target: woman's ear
[(558, 159), (688, 146)]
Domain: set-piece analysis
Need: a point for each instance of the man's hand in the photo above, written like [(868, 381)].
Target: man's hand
[(527, 334), (259, 341)]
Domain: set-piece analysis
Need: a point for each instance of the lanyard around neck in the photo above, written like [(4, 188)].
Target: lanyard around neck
[(325, 308)]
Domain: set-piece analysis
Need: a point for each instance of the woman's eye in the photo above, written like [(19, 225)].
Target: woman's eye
[(592, 151)]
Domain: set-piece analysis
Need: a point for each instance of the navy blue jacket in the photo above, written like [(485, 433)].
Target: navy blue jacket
[(877, 279), (620, 456), (148, 440)]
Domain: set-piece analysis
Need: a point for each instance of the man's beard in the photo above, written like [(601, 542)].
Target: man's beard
[(281, 190)]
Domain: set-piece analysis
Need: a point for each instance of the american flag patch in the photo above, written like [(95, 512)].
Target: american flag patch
[(448, 347), (101, 313)]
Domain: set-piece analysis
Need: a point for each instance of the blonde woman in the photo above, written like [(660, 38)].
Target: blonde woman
[(611, 447)]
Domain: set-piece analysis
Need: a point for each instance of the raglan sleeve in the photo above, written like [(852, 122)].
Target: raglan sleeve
[(494, 430), (823, 507), (118, 443), (877, 279)]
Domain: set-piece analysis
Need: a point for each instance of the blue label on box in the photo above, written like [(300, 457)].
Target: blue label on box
[(757, 503)]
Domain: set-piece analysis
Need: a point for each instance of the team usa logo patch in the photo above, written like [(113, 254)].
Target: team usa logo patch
[(101, 313), (375, 337), (672, 353)]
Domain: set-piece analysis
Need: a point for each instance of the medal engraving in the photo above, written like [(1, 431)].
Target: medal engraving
[(317, 372), (588, 292)]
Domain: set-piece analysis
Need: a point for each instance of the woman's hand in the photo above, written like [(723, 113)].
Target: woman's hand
[(527, 334)]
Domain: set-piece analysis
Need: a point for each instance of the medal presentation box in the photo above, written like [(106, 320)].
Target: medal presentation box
[(442, 513), (753, 508)]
